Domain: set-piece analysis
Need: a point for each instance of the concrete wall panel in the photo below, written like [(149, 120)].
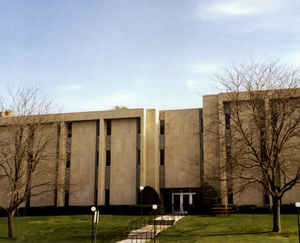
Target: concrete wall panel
[(182, 148), (292, 195), (82, 172), (123, 162), (252, 195), (46, 169), (152, 150), (211, 139), (4, 189)]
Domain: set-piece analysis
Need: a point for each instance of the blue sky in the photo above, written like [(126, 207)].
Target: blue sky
[(93, 55)]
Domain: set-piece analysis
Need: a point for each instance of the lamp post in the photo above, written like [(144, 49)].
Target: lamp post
[(95, 221), (141, 198), (154, 207), (297, 204)]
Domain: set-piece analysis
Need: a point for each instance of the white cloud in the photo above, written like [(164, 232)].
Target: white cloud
[(225, 8)]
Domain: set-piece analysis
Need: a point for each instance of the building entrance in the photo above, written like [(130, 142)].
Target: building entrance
[(181, 202)]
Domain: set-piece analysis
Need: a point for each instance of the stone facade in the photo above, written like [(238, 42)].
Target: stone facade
[(106, 157), (222, 143)]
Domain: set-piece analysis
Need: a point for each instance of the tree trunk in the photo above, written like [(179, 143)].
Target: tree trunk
[(276, 215), (10, 224)]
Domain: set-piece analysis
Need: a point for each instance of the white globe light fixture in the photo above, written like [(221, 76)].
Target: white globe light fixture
[(93, 209), (141, 188), (297, 204), (154, 206)]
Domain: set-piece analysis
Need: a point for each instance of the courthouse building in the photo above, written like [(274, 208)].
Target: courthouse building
[(109, 156)]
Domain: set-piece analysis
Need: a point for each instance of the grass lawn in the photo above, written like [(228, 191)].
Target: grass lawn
[(65, 229), (234, 228), (191, 229)]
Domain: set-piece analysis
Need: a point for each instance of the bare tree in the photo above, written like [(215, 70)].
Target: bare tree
[(27, 154), (261, 106)]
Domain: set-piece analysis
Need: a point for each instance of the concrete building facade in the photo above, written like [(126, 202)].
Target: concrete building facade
[(106, 157)]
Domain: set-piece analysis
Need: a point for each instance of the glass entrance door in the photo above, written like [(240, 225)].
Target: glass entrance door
[(185, 203), (176, 203), (181, 202)]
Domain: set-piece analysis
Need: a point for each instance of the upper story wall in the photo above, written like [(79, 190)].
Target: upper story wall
[(182, 135), (81, 168)]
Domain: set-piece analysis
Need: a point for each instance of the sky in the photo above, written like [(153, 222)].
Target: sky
[(163, 54)]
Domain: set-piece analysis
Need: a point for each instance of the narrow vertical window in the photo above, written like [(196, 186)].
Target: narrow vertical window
[(138, 126), (138, 157), (108, 127), (227, 121), (97, 158), (108, 158), (98, 128), (68, 163), (57, 162), (228, 153), (67, 199), (266, 199), (229, 174), (201, 124), (162, 157), (107, 195), (69, 129), (263, 145), (162, 127), (230, 198), (96, 162)]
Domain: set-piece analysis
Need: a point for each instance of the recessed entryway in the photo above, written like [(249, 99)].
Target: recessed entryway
[(181, 202)]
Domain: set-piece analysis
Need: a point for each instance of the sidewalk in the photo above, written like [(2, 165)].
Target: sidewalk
[(148, 229)]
